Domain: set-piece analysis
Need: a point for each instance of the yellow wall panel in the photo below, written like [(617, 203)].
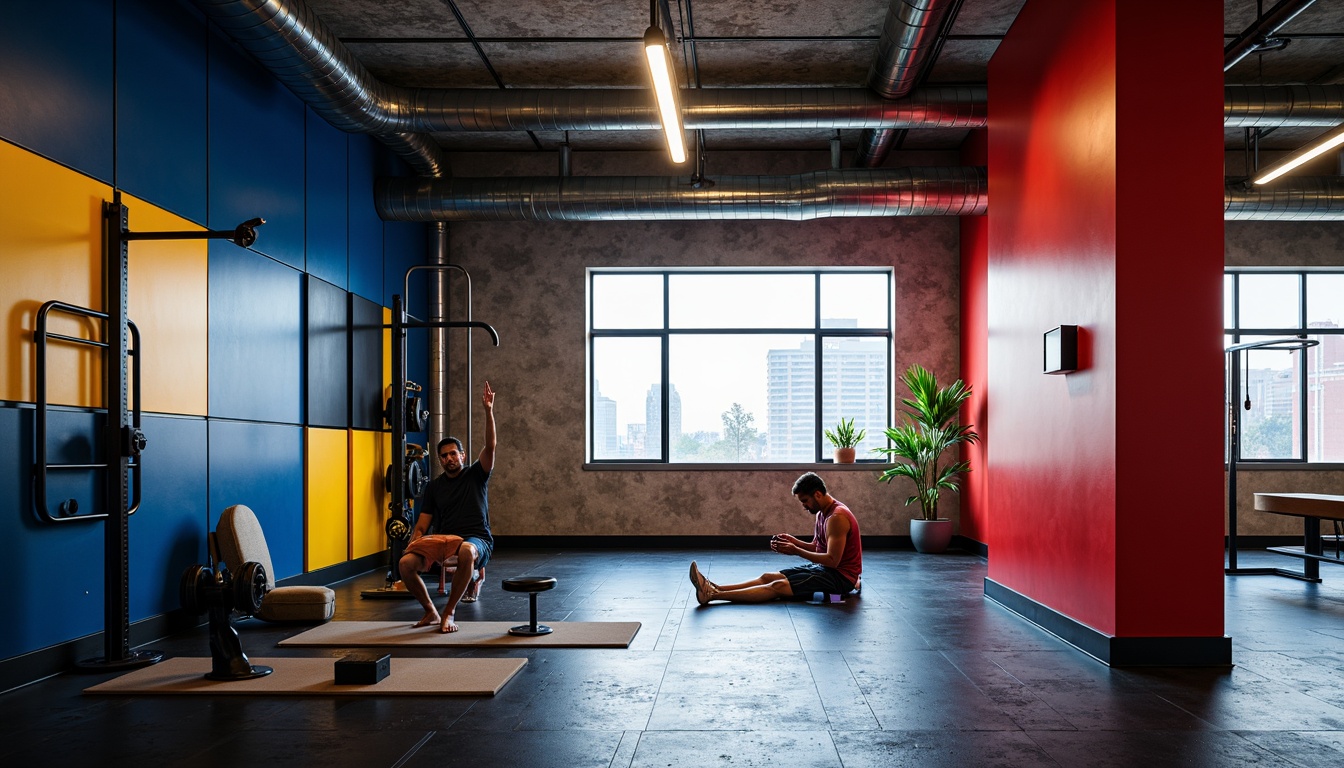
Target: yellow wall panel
[(168, 302), (327, 483), (387, 352), (369, 453), (51, 218)]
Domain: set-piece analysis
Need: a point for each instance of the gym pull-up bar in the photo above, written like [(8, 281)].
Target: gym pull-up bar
[(122, 439), (1234, 357)]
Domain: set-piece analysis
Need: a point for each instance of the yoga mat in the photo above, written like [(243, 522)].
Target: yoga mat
[(317, 677), (473, 634)]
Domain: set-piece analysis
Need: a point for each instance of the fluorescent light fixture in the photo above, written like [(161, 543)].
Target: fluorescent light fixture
[(665, 90), (1310, 152)]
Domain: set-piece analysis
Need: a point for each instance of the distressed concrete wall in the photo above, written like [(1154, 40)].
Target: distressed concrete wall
[(528, 282), (1282, 244)]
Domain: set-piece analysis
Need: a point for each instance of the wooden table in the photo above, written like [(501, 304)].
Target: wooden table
[(1312, 508)]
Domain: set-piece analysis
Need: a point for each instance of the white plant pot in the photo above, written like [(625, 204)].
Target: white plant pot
[(931, 536)]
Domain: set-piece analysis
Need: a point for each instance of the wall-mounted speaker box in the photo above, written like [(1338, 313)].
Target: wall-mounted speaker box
[(1061, 349)]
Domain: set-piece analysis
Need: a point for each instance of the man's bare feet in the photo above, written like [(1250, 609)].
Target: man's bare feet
[(431, 617), (447, 625)]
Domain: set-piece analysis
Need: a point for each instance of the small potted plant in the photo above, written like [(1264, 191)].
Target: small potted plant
[(930, 429), (844, 439)]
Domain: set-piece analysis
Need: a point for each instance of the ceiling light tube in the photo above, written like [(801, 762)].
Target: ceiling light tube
[(1310, 152), (664, 89)]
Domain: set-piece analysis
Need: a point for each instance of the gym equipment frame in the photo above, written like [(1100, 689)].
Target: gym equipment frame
[(122, 441), (399, 507)]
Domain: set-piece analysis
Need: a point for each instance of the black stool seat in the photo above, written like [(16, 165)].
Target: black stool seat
[(531, 585)]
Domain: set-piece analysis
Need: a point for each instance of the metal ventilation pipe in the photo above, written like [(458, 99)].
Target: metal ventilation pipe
[(1272, 106), (1255, 35), (1300, 198), (909, 35), (949, 191)]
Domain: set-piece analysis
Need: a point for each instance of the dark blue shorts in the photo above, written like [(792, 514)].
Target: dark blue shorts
[(807, 579), (483, 550)]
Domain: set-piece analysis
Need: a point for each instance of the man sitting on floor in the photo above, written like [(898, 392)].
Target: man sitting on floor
[(419, 555), (835, 555)]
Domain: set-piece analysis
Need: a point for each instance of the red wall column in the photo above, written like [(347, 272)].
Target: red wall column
[(974, 502), (1107, 486)]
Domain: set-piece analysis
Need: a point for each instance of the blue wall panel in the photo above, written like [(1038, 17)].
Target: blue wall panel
[(366, 229), (256, 324), (404, 246), (328, 216), (168, 532), (261, 465), (56, 90), (161, 115), (45, 605), (256, 153)]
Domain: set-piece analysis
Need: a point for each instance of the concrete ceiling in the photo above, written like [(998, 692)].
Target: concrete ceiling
[(732, 43)]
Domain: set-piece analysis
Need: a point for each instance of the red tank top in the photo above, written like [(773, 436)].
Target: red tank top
[(851, 560)]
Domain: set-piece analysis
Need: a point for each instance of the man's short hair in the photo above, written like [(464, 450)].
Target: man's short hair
[(452, 440), (809, 484)]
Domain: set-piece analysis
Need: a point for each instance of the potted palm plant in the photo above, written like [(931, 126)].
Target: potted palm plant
[(844, 439), (930, 428)]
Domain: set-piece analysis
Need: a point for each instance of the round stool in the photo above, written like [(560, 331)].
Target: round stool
[(531, 585)]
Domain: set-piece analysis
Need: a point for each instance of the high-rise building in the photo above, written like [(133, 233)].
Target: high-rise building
[(653, 417), (854, 386), (605, 443)]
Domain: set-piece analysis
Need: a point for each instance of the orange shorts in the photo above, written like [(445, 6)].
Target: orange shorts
[(435, 548)]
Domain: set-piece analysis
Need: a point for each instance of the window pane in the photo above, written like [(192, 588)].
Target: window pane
[(742, 301), (627, 397), (1325, 399), (1269, 429), (855, 300), (1228, 314), (1325, 301), (1269, 301), (854, 386), (627, 301), (743, 398)]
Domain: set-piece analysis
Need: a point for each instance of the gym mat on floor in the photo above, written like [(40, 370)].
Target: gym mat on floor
[(493, 634), (317, 677)]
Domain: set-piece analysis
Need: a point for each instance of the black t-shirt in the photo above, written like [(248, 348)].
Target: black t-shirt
[(459, 505)]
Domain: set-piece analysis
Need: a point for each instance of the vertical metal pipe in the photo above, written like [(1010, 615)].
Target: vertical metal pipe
[(437, 386)]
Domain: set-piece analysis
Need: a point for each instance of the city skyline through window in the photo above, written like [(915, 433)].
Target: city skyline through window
[(740, 350)]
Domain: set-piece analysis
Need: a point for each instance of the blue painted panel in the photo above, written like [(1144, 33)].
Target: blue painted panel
[(366, 229), (256, 325), (328, 215), (46, 606), (261, 465), (161, 115), (256, 152), (56, 89), (404, 246), (168, 532)]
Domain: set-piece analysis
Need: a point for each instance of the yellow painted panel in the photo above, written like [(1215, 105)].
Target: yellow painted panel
[(168, 298), (326, 473), (52, 248), (387, 352), (368, 499)]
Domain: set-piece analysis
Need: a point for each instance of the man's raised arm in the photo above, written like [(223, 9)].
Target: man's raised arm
[(487, 457)]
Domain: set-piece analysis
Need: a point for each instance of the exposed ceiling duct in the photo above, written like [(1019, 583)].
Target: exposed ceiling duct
[(1300, 198), (1259, 34), (292, 42), (909, 36), (950, 191), (1273, 106)]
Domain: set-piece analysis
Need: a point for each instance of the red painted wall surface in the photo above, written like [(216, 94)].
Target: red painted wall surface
[(1106, 489), (975, 352)]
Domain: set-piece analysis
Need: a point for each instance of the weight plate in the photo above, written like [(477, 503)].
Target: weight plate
[(415, 479), (416, 415), (191, 591), (398, 529), (249, 587)]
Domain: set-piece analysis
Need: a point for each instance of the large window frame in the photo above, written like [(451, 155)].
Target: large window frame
[(1235, 332), (665, 335)]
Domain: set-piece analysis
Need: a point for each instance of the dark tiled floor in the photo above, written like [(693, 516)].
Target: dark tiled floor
[(920, 671)]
